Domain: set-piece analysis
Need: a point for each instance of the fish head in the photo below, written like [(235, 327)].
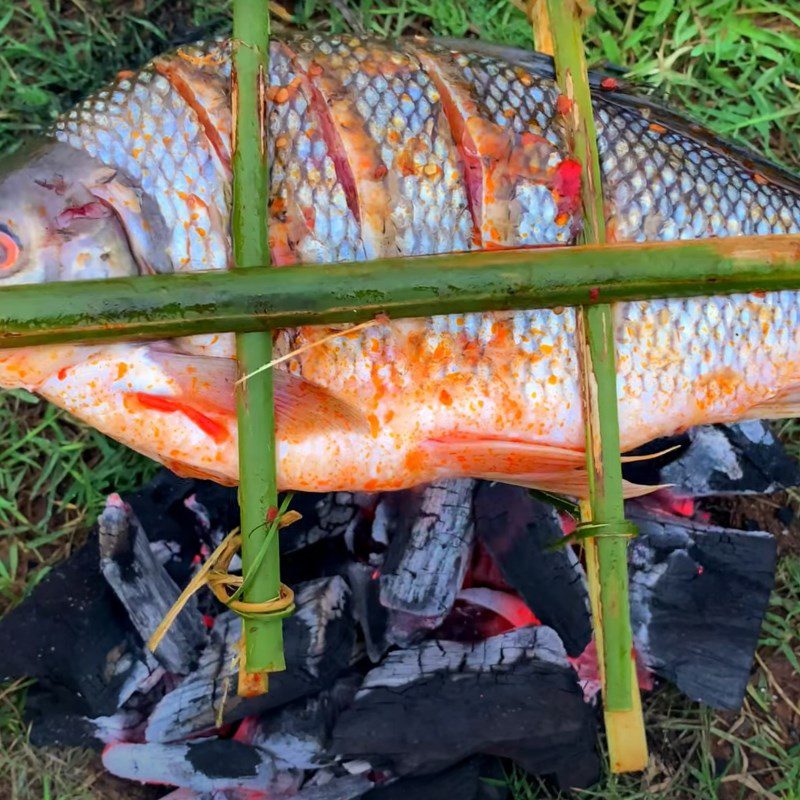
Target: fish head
[(54, 223)]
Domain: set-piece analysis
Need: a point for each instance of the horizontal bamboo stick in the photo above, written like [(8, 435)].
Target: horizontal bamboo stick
[(160, 306)]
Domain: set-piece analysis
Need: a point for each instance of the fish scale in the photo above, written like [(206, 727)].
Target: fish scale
[(380, 149), (660, 185)]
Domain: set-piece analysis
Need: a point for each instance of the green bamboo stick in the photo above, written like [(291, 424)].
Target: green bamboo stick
[(263, 638), (598, 368), (257, 299)]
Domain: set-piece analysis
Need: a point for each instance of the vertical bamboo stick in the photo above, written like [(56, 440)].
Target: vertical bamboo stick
[(607, 565), (262, 638)]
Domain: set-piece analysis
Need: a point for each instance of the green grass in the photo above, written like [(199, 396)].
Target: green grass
[(734, 65), (55, 477)]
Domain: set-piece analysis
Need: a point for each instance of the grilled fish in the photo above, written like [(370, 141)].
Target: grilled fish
[(381, 149)]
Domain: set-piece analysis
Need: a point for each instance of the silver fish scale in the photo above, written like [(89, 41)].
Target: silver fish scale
[(661, 185), (141, 126), (523, 103), (303, 175), (512, 97), (402, 113), (715, 352)]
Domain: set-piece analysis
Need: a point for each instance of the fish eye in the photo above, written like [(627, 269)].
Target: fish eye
[(9, 250)]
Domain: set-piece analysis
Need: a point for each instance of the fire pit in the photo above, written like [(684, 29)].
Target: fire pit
[(438, 631)]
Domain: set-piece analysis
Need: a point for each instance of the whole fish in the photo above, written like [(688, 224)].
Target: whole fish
[(380, 149)]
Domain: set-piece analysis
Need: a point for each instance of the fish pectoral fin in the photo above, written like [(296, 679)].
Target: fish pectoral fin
[(208, 384), (529, 464), (783, 406), (302, 407)]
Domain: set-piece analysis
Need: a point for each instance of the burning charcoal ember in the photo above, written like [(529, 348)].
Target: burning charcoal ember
[(203, 765), (478, 778), (513, 695), (745, 458), (73, 636), (424, 571), (588, 669), (319, 642), (145, 588), (503, 604), (517, 530), (698, 597), (371, 616)]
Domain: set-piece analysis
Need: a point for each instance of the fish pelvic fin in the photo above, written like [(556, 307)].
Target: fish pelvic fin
[(784, 406), (532, 465)]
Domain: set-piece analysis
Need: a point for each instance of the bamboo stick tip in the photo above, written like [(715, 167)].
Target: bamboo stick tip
[(625, 733), (252, 684)]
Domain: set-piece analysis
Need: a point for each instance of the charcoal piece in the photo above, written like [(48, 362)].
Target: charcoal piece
[(145, 588), (514, 695), (423, 572), (51, 728), (477, 778), (368, 611), (318, 641), (203, 765), (296, 736), (698, 597), (324, 516), (74, 637), (339, 787), (744, 458), (517, 530)]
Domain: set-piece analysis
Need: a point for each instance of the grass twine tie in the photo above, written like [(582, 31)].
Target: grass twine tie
[(214, 574)]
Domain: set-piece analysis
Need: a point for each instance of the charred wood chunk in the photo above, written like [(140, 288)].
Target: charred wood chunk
[(479, 778), (145, 588), (202, 765), (73, 636), (514, 695), (338, 787), (297, 735), (318, 640), (744, 458), (371, 615), (324, 516), (698, 597), (424, 570), (517, 530)]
